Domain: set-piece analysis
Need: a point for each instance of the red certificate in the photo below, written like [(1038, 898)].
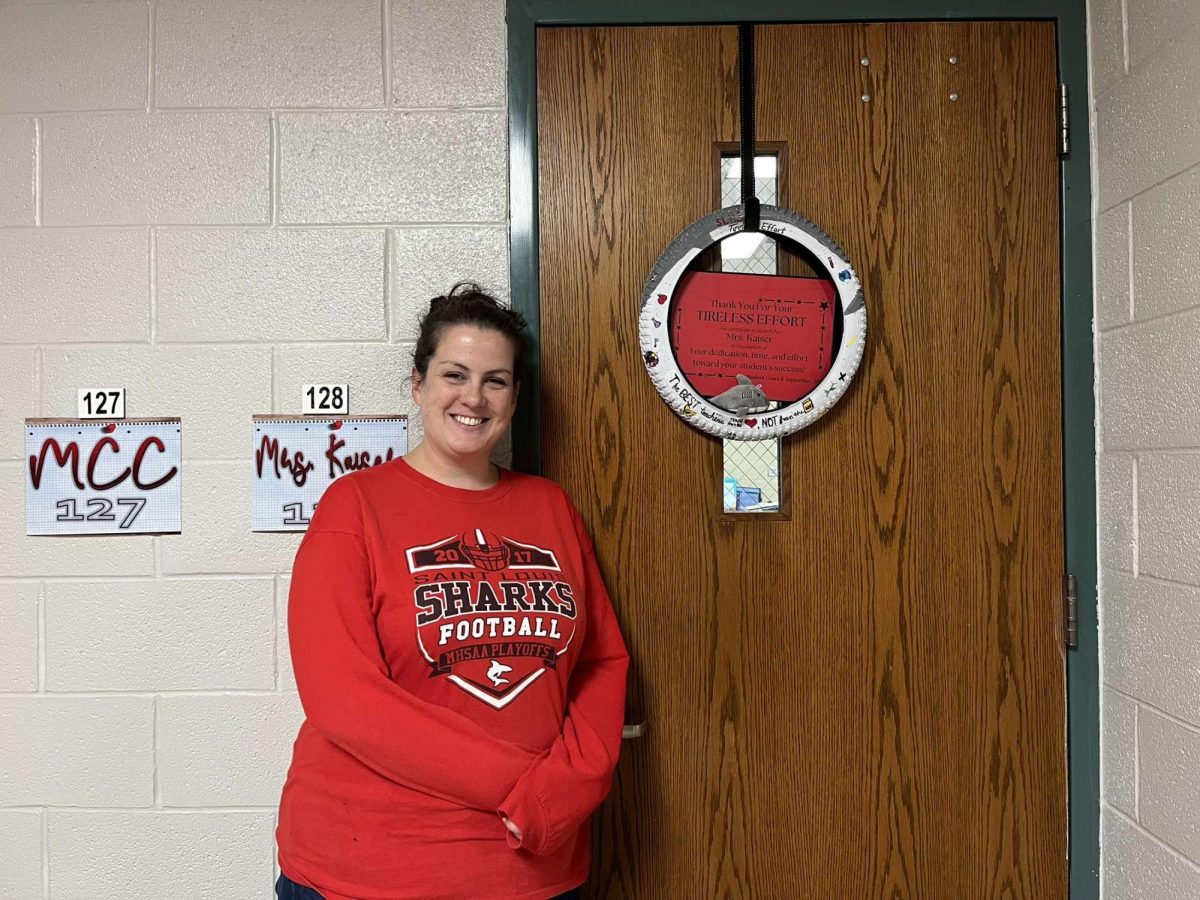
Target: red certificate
[(776, 331)]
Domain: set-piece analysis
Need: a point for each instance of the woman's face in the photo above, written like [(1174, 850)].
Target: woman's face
[(468, 393)]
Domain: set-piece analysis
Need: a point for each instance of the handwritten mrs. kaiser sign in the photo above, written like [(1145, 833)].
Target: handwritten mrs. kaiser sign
[(295, 460)]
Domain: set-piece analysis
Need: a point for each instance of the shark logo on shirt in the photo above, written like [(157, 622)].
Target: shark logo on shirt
[(496, 671)]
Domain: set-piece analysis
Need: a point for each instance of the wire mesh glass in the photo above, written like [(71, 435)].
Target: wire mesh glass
[(750, 471)]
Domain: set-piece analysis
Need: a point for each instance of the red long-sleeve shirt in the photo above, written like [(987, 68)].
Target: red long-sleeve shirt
[(458, 659)]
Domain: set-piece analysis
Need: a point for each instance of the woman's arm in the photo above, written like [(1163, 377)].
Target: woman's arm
[(566, 784), (343, 682)]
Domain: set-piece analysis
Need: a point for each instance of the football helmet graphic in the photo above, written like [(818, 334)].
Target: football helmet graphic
[(485, 550)]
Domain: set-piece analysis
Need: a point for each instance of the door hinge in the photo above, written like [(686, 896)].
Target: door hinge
[(1064, 121), (1071, 612)]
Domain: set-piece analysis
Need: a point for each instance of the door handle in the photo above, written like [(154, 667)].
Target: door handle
[(629, 732)]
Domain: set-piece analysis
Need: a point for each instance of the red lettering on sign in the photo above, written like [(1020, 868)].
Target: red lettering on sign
[(94, 457), (354, 461), (70, 455), (296, 465), (38, 463), (137, 465), (331, 456)]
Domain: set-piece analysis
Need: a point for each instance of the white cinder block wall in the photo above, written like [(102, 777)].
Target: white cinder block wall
[(208, 202), (1145, 57)]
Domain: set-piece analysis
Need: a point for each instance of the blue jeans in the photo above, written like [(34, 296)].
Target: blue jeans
[(286, 889)]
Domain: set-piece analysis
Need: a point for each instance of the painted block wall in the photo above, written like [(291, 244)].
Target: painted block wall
[(1145, 81), (209, 203)]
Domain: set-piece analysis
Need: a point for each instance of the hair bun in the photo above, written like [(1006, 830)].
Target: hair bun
[(468, 304)]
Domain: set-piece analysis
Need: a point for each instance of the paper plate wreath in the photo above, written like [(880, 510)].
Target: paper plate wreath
[(730, 397)]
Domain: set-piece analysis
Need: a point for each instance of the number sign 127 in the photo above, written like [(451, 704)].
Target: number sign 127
[(101, 510), (102, 403), (320, 399)]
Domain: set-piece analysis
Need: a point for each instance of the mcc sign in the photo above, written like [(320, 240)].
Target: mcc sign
[(88, 477)]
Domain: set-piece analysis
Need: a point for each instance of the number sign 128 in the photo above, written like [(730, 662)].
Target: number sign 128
[(323, 399)]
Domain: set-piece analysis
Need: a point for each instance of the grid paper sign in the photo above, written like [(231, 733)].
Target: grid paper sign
[(89, 477), (296, 459)]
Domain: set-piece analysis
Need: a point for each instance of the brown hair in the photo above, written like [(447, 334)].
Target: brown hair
[(468, 304)]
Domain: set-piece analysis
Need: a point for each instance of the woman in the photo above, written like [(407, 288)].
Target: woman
[(457, 657)]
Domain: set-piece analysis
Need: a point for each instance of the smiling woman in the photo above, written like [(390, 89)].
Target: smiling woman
[(466, 375), (456, 653)]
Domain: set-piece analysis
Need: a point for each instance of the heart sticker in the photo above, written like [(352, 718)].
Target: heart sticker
[(751, 422), (334, 426), (662, 298), (110, 428)]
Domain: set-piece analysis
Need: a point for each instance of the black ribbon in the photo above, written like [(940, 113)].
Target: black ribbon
[(746, 74)]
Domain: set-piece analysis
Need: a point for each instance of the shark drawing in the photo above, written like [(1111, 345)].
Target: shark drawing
[(495, 672)]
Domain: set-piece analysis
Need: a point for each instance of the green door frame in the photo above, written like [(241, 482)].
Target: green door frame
[(1079, 478)]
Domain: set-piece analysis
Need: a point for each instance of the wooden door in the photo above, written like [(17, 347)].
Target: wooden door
[(867, 699)]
